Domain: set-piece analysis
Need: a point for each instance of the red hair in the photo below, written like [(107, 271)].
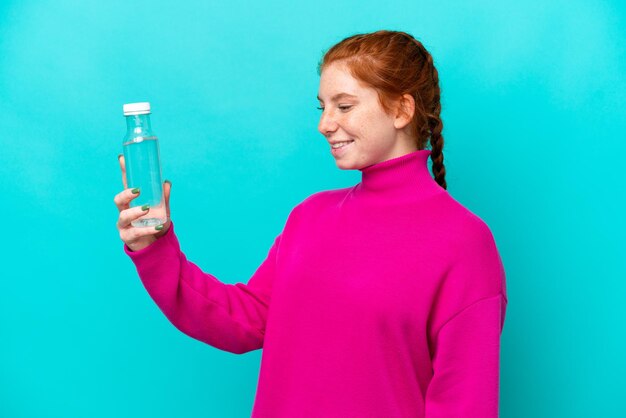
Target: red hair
[(395, 63)]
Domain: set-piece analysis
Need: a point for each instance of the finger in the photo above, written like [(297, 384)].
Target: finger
[(129, 215), (167, 187), (123, 198), (123, 167), (132, 234)]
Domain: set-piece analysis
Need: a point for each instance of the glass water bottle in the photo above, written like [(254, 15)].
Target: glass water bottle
[(143, 168)]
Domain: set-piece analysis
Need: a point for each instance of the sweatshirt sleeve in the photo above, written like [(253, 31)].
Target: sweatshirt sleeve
[(226, 316), (465, 340), (466, 362)]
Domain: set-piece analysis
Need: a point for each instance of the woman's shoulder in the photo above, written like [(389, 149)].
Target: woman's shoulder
[(324, 197), (474, 256), (311, 208), (459, 213), (318, 203), (461, 225)]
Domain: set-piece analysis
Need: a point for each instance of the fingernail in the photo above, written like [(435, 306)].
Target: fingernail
[(145, 207), (168, 182), (119, 156), (135, 190), (158, 227)]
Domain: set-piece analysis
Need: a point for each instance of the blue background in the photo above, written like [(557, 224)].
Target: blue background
[(533, 97)]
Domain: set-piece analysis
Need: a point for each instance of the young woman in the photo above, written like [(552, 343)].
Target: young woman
[(385, 299)]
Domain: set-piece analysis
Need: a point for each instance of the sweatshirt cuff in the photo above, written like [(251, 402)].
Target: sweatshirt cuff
[(155, 247)]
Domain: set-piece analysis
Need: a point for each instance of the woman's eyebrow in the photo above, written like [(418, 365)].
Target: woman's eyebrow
[(338, 96)]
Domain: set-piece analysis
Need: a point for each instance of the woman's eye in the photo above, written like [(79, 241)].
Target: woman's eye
[(342, 108)]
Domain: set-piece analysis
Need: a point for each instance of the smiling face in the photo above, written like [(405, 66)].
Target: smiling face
[(351, 112)]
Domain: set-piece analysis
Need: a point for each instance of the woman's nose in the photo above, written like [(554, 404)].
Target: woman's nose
[(327, 124)]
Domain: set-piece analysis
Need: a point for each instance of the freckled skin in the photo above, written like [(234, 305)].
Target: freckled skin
[(377, 136)]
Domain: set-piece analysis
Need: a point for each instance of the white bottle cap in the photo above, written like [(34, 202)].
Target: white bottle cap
[(140, 108)]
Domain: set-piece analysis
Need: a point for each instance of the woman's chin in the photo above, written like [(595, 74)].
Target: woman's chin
[(344, 164)]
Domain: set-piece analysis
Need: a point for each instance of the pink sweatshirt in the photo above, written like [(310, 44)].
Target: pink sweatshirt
[(385, 299)]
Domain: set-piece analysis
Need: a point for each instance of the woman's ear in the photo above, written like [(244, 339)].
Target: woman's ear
[(405, 111)]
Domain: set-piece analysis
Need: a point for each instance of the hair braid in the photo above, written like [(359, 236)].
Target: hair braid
[(433, 125), (436, 126)]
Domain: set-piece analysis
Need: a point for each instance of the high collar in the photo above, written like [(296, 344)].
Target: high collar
[(401, 178)]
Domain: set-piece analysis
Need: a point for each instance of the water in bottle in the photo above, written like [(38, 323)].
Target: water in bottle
[(143, 168)]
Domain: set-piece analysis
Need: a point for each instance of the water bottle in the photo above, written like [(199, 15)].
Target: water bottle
[(143, 168)]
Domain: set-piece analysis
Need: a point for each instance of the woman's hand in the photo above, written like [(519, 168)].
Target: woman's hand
[(137, 238)]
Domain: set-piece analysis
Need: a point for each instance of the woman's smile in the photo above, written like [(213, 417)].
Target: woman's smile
[(339, 148)]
